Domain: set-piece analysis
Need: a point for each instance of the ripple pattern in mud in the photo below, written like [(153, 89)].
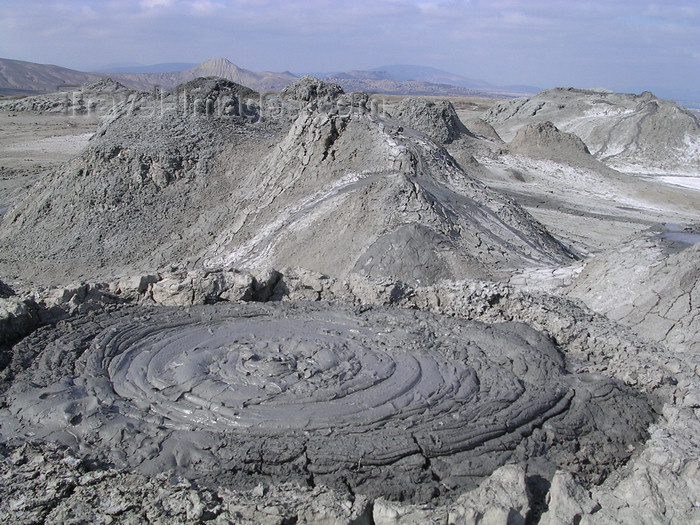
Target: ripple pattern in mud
[(391, 402), (270, 374)]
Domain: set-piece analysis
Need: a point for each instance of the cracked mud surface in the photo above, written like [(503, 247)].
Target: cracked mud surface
[(400, 404)]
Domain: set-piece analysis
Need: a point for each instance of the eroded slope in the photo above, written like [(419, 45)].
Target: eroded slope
[(634, 133), (203, 177), (132, 199)]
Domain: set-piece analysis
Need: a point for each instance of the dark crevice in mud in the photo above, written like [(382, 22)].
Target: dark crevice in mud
[(368, 516), (265, 291), (64, 491), (310, 478), (93, 464), (495, 299), (330, 140), (537, 490), (347, 487), (5, 356), (209, 515), (441, 491)]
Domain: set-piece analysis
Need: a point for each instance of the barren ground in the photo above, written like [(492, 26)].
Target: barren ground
[(33, 143), (566, 391)]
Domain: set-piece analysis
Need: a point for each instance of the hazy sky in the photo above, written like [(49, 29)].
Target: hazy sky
[(625, 45)]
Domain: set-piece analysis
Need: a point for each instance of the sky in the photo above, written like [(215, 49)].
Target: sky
[(623, 45)]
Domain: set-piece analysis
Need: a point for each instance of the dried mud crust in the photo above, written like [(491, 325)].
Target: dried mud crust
[(47, 484), (382, 402)]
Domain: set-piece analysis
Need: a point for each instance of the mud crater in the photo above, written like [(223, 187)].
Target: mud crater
[(396, 403)]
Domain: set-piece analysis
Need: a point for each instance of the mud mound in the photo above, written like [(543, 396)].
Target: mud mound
[(483, 129), (106, 85), (308, 89), (544, 140), (359, 182), (636, 133), (436, 119), (651, 284), (213, 88), (97, 98), (387, 403), (194, 179), (146, 177)]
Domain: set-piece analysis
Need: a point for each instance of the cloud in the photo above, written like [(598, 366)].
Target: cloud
[(205, 7), (614, 43), (152, 4)]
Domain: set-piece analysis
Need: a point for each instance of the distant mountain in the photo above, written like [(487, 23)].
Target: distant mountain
[(17, 76), (522, 88), (167, 67), (358, 74), (219, 67), (379, 84), (408, 73), (432, 75), (29, 78), (420, 80)]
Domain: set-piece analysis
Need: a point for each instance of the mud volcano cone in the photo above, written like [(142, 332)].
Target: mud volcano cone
[(343, 189)]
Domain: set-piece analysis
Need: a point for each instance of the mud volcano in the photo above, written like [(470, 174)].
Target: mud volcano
[(384, 402)]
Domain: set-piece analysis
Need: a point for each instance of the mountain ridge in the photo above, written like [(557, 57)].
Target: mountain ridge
[(20, 77), (165, 67)]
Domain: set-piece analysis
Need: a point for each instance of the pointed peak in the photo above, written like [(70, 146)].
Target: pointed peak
[(219, 62)]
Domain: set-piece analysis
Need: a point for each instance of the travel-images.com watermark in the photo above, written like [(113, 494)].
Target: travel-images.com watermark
[(184, 103)]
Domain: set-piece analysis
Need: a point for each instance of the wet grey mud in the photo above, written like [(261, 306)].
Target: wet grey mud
[(401, 404)]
